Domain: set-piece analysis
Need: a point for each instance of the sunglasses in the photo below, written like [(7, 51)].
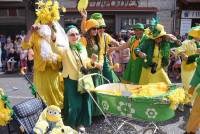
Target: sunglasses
[(74, 34), (101, 27)]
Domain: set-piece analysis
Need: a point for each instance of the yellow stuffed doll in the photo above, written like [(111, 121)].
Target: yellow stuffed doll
[(5, 109), (49, 121), (64, 130)]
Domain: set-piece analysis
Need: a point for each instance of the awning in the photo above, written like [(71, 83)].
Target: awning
[(121, 9)]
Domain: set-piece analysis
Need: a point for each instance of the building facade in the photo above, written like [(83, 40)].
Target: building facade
[(15, 16), (122, 14), (119, 15), (189, 15)]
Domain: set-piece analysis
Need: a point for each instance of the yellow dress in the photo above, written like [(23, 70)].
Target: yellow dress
[(46, 74), (159, 76), (187, 70)]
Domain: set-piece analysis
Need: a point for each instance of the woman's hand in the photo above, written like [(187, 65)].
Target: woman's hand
[(99, 66), (94, 58), (184, 56), (111, 49), (83, 14), (142, 55), (35, 27)]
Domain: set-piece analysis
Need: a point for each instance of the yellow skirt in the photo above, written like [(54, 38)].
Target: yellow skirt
[(186, 76), (49, 86), (147, 77), (194, 119)]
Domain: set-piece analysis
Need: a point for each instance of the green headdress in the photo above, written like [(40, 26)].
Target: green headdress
[(99, 18), (156, 30)]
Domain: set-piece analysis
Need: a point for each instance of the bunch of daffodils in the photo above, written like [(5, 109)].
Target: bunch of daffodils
[(48, 11)]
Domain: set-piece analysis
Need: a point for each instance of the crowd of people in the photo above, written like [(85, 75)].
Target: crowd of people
[(13, 57)]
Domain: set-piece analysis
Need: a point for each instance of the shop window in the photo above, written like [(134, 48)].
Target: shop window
[(3, 12), (12, 12), (130, 22), (143, 20), (133, 21), (21, 12), (137, 20), (148, 21)]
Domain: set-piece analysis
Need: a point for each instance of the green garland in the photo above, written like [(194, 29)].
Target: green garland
[(78, 46), (4, 98)]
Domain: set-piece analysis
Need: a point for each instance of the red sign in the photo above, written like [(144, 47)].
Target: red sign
[(114, 3)]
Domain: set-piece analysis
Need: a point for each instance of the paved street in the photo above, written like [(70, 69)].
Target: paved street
[(17, 90)]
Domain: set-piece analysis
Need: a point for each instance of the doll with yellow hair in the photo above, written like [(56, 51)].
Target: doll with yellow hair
[(50, 121)]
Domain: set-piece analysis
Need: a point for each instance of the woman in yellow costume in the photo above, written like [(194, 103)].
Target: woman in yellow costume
[(77, 104), (188, 51), (193, 123), (156, 52), (46, 67)]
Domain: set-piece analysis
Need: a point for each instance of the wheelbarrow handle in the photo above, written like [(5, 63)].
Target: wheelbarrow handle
[(93, 74)]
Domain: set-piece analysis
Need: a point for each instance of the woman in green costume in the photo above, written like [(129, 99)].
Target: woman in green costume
[(90, 41), (156, 52), (77, 106), (104, 40), (134, 68)]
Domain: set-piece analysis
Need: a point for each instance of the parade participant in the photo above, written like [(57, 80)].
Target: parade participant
[(46, 67), (77, 106), (156, 52), (193, 123), (104, 40), (134, 67), (189, 48), (91, 41)]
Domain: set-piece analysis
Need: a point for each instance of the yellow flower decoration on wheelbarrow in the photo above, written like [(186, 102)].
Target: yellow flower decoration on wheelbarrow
[(48, 11)]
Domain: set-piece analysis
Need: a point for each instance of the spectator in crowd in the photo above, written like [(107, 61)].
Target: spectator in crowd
[(18, 43), (23, 60), (30, 60), (124, 56), (13, 59), (8, 45)]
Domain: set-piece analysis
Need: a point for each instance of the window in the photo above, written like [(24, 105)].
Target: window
[(21, 12), (12, 12), (3, 12)]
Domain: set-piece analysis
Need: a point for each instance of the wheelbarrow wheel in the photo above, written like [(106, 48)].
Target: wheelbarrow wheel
[(153, 130)]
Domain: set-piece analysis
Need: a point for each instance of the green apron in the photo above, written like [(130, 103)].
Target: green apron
[(77, 107)]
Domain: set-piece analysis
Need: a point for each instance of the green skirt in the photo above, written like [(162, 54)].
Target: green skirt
[(196, 77), (108, 72), (133, 71), (77, 107)]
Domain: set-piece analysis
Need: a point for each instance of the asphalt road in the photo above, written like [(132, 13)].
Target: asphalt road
[(18, 90)]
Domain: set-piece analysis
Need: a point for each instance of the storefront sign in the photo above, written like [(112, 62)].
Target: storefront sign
[(102, 3), (114, 3), (190, 14), (185, 26)]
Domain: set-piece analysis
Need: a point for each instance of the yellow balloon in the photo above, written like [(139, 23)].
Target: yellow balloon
[(82, 5)]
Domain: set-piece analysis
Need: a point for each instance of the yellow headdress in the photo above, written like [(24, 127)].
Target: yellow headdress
[(48, 11)]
